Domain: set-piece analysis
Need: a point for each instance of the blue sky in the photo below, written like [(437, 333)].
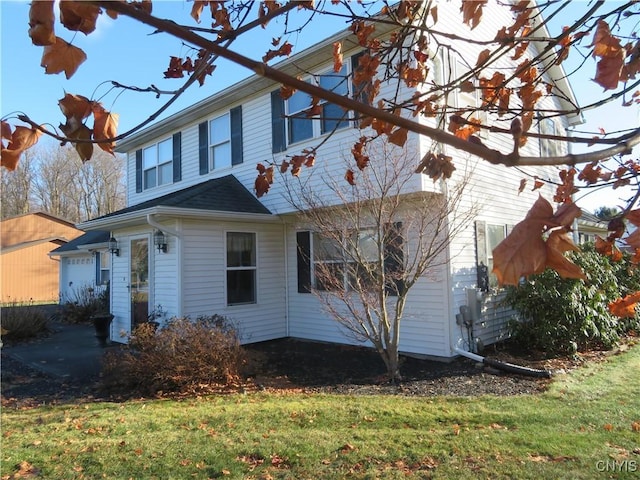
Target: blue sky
[(125, 51)]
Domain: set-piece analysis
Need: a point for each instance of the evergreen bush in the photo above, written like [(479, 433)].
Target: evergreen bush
[(562, 316)]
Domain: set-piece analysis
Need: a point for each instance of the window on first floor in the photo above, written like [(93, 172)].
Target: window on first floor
[(353, 259), (488, 237), (103, 267), (241, 268)]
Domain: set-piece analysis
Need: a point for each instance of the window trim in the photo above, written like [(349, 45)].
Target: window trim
[(253, 268)]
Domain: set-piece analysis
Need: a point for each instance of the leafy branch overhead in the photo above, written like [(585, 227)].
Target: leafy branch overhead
[(512, 72)]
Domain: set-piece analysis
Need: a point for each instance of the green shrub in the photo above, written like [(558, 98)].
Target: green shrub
[(85, 302), (22, 321), (182, 356), (565, 315)]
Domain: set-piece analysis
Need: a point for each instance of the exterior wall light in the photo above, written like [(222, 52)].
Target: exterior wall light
[(160, 241), (113, 247)]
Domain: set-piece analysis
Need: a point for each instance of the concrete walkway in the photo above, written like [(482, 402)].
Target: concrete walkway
[(71, 352)]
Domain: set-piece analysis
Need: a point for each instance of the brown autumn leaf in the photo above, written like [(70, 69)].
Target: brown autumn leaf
[(196, 10), (634, 217), (337, 57), (79, 16), (349, 177), (483, 57), (22, 138), (5, 130), (558, 243), (75, 106), (633, 239), (62, 57), (565, 215), (524, 252), (284, 51), (105, 125), (472, 12), (84, 149), (398, 136), (609, 70), (625, 307), (41, 23), (608, 248), (523, 184), (362, 160)]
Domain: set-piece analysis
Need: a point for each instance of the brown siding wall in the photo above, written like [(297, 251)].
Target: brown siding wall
[(36, 226), (29, 274)]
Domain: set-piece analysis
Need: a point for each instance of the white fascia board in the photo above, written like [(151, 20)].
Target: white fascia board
[(139, 217)]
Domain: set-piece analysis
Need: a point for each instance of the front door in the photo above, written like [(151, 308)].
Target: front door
[(139, 281)]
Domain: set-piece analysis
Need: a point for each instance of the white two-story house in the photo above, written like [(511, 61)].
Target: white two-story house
[(224, 251)]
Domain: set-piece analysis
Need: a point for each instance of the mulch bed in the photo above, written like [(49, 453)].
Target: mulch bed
[(292, 366)]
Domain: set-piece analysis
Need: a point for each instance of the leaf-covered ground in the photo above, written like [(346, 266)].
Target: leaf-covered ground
[(295, 366)]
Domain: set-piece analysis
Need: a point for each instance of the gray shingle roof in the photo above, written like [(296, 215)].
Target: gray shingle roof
[(89, 238), (225, 194)]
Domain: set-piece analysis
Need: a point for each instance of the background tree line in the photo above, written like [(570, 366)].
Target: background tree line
[(54, 180)]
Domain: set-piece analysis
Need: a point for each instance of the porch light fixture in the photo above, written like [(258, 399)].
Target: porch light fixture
[(160, 241), (113, 247)]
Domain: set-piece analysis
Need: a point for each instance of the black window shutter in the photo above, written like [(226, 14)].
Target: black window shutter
[(394, 258), (277, 123), (303, 240), (236, 135), (203, 147), (177, 157), (138, 171), (482, 259)]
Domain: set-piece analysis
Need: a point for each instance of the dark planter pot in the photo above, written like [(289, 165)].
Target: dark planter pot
[(102, 322)]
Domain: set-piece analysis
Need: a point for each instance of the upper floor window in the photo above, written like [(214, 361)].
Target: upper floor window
[(220, 141), (548, 146), (157, 164), (292, 121), (160, 163), (301, 126)]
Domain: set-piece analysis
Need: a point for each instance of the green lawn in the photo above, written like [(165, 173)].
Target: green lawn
[(586, 426)]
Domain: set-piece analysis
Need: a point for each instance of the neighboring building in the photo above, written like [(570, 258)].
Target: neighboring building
[(225, 252), (588, 227), (85, 263), (28, 273)]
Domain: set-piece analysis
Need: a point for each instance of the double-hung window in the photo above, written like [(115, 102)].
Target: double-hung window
[(352, 259), (301, 126), (219, 142), (157, 164), (241, 268), (348, 261), (103, 266)]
